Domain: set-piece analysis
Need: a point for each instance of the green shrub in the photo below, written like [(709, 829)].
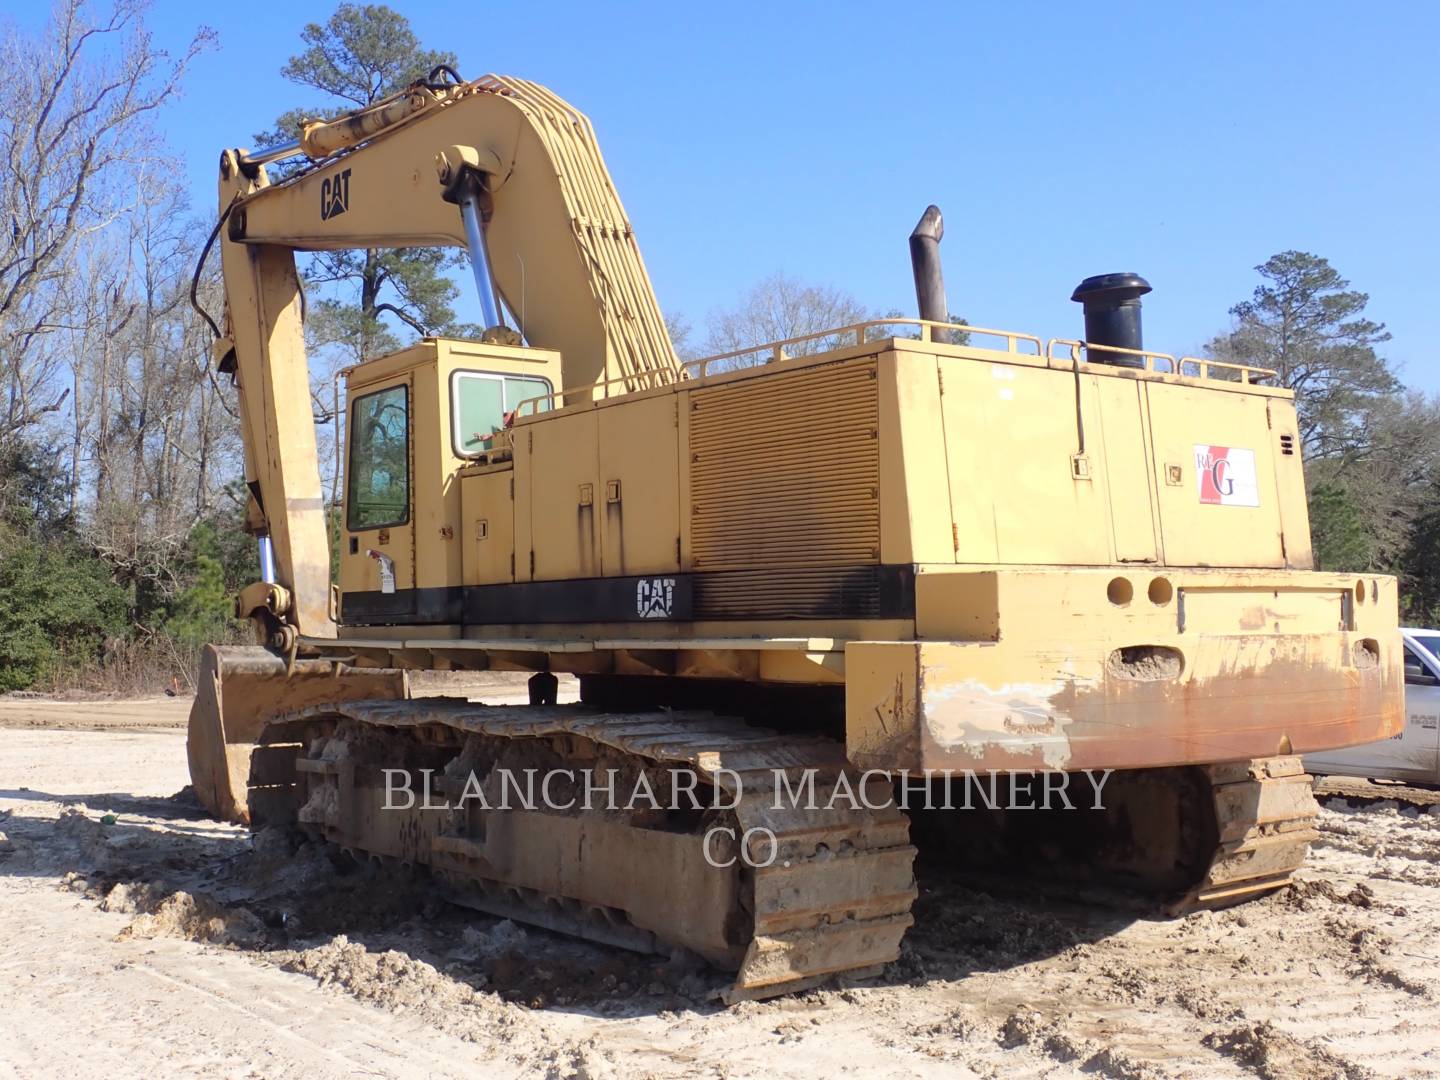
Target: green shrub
[(57, 607), (204, 609), (1337, 530)]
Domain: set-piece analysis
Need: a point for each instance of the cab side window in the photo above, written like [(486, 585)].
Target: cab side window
[(479, 401), (378, 492)]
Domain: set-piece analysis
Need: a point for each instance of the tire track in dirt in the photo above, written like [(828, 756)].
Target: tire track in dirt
[(1331, 978)]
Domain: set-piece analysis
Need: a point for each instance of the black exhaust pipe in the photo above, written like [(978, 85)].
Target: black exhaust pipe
[(1112, 316), (925, 261)]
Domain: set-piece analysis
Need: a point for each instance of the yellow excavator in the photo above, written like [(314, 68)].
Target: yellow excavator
[(883, 561)]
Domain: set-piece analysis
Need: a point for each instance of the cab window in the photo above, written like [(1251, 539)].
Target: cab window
[(1430, 642), (479, 401), (1416, 673), (378, 494)]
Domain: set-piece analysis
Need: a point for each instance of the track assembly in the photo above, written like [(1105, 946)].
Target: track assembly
[(784, 896)]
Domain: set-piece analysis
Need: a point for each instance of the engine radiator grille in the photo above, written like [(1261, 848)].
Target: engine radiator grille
[(840, 592), (785, 474)]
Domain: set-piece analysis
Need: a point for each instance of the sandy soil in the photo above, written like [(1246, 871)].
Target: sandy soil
[(94, 714), (97, 712), (139, 939)]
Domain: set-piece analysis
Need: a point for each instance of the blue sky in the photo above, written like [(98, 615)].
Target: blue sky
[(1061, 140)]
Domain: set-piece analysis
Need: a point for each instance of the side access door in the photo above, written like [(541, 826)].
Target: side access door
[(1219, 504)]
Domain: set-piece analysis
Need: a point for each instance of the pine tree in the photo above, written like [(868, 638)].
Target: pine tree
[(1307, 324), (362, 54)]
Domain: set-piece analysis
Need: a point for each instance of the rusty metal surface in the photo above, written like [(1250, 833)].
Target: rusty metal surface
[(1029, 705), (1255, 707)]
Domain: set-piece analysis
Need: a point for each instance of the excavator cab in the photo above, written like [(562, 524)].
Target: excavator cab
[(415, 419)]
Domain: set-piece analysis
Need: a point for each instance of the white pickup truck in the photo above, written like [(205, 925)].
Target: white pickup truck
[(1414, 755)]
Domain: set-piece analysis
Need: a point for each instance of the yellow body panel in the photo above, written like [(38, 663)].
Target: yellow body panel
[(902, 516), (638, 500), (1251, 536), (782, 508), (1045, 671), (487, 502), (1129, 470), (565, 536), (1010, 463)]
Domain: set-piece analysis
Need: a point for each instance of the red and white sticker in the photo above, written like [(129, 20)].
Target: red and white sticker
[(1226, 476)]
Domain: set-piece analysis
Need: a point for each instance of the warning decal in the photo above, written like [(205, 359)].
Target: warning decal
[(1226, 476)]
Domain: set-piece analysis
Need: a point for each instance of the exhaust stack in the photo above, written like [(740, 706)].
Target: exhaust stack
[(925, 261), (1112, 316)]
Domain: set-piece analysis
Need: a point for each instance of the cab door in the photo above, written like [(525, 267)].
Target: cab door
[(377, 554)]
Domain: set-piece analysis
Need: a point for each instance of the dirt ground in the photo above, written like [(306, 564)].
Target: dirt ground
[(138, 938), (97, 712)]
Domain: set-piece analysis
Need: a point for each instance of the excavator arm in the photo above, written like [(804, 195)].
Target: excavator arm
[(499, 166), (552, 236)]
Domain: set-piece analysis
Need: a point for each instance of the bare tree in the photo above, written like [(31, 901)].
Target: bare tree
[(158, 441), (783, 307), (680, 330), (75, 128), (99, 300), (1364, 506), (115, 439)]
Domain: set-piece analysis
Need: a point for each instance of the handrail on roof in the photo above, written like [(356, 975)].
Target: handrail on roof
[(928, 330), (1080, 351), (639, 380), (775, 352)]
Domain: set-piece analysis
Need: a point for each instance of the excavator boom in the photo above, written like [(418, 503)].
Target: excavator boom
[(556, 239)]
